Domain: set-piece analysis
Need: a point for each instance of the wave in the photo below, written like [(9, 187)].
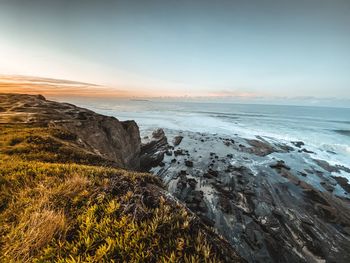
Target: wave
[(343, 132)]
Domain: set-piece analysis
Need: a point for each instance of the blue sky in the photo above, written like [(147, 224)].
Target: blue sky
[(198, 48)]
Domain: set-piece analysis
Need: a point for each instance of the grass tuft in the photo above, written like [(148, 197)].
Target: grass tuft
[(61, 203)]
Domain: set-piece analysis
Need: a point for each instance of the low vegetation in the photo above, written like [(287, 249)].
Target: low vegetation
[(61, 203)]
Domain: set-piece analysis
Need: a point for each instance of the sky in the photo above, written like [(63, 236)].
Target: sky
[(229, 48)]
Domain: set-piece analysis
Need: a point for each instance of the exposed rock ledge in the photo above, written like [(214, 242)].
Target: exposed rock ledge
[(118, 141)]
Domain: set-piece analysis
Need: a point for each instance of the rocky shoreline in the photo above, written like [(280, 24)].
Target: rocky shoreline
[(274, 202)]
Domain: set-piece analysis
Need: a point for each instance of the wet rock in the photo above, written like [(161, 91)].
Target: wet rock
[(325, 165), (327, 186), (183, 172), (158, 134), (298, 143), (211, 173), (192, 183), (225, 204), (265, 217), (152, 151), (285, 148), (305, 151), (188, 163), (168, 152), (331, 168), (179, 152), (227, 141), (177, 140), (303, 174), (280, 165), (260, 148), (343, 182)]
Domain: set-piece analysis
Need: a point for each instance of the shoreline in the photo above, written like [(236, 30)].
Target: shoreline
[(263, 197)]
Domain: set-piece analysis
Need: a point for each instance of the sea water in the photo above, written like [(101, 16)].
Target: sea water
[(324, 130)]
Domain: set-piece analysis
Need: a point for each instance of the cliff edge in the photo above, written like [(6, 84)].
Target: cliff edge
[(107, 137), (64, 197)]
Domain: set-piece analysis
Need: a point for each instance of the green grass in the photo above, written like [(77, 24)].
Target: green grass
[(58, 205), (46, 144)]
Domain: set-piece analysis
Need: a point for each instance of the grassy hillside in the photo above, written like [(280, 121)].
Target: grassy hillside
[(61, 203)]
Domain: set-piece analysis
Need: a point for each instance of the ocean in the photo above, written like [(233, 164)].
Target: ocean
[(324, 130)]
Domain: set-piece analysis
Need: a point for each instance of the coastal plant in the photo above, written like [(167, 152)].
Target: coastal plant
[(58, 205)]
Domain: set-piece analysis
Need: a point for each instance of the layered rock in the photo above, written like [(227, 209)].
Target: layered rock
[(270, 201), (153, 150), (108, 137)]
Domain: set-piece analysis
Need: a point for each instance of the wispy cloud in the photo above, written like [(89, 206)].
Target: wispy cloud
[(57, 88), (233, 94)]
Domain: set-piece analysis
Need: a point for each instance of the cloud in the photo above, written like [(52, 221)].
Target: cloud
[(57, 88), (232, 94)]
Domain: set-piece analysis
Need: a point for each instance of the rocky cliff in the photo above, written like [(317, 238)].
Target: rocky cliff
[(64, 197), (107, 137)]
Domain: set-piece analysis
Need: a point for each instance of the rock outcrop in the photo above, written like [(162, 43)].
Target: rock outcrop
[(59, 169), (265, 198), (108, 137), (153, 150)]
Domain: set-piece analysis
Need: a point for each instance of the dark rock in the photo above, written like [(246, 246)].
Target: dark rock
[(225, 205), (158, 134), (206, 220), (213, 173), (343, 182), (192, 183), (327, 186), (285, 148), (179, 152), (177, 140), (260, 148), (264, 217), (303, 174), (189, 163), (40, 97), (305, 151), (152, 152), (325, 165), (280, 165), (107, 137), (298, 143), (183, 172)]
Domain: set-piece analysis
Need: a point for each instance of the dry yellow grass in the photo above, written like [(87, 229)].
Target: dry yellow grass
[(33, 233), (53, 210)]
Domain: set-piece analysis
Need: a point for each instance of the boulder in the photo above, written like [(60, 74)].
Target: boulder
[(153, 151), (177, 140)]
